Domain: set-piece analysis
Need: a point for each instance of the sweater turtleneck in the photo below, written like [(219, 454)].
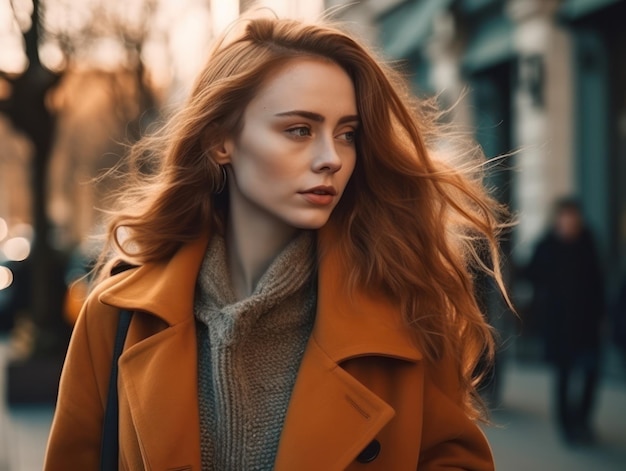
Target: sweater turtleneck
[(249, 353)]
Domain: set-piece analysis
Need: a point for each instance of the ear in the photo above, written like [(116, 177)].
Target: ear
[(223, 152)]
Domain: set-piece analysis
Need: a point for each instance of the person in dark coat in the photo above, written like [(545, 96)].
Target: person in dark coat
[(618, 319), (569, 298)]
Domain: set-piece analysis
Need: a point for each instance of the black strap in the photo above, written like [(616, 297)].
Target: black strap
[(110, 429)]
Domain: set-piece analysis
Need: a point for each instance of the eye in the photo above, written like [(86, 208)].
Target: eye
[(348, 136), (299, 131)]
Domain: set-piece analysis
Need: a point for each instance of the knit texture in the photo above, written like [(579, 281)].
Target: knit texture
[(249, 354)]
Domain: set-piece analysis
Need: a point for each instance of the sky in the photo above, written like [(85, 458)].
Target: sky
[(179, 34)]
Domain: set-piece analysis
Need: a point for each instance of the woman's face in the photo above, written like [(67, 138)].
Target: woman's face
[(296, 151)]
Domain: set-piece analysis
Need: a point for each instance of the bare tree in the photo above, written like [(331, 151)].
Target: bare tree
[(26, 107)]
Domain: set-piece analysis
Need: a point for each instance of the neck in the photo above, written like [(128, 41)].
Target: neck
[(253, 240)]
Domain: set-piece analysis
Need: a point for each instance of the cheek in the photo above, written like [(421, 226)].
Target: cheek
[(260, 171), (268, 158), (267, 170)]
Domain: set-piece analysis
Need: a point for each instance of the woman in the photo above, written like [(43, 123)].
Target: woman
[(302, 297)]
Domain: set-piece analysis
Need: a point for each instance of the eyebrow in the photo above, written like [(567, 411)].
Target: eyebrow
[(318, 117)]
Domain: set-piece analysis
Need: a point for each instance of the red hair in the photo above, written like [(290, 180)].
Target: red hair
[(407, 224)]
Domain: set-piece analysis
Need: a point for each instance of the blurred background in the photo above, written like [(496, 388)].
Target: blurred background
[(541, 84)]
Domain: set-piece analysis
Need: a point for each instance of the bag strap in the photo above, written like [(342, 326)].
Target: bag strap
[(110, 429)]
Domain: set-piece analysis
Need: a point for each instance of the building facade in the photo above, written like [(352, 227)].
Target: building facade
[(544, 79)]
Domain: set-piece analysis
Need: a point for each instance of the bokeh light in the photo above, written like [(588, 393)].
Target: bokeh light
[(6, 278), (17, 248)]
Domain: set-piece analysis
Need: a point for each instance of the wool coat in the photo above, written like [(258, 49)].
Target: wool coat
[(365, 397)]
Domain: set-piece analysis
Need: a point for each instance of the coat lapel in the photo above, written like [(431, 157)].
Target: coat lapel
[(158, 372), (331, 417), (158, 377)]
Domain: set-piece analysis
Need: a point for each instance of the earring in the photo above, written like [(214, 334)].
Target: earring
[(222, 185)]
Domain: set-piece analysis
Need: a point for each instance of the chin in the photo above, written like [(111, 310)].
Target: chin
[(310, 227), (310, 224)]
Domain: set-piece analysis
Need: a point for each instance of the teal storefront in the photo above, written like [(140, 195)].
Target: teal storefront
[(599, 36), (404, 31), (487, 64)]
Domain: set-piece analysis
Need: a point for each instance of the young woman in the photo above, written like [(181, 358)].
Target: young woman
[(301, 289)]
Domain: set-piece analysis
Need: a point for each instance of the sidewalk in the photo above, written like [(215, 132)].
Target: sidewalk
[(523, 437), (23, 430)]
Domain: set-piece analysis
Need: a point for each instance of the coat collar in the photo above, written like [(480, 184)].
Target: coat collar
[(349, 323), (356, 322), (164, 289)]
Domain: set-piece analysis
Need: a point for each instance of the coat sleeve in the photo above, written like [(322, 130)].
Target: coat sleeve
[(451, 440), (75, 436)]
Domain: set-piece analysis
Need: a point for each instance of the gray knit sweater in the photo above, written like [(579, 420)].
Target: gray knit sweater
[(249, 354)]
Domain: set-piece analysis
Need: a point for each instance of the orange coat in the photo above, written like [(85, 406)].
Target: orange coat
[(361, 380)]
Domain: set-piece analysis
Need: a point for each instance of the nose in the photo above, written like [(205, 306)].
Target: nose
[(327, 159)]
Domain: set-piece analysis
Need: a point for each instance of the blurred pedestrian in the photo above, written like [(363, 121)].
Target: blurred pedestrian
[(569, 297), (300, 287)]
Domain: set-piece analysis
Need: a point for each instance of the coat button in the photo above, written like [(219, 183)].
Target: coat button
[(369, 453)]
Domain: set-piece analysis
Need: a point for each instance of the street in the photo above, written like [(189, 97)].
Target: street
[(523, 436)]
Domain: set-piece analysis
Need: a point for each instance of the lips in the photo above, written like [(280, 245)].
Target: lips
[(320, 195), (322, 190)]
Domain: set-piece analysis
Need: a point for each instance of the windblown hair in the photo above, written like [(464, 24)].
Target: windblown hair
[(408, 224)]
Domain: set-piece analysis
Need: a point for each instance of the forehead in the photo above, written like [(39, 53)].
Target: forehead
[(309, 84)]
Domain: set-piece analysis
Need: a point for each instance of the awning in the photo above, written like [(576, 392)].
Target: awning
[(491, 44), (407, 27), (575, 9)]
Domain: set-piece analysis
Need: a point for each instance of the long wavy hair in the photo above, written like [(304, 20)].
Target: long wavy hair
[(408, 224)]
